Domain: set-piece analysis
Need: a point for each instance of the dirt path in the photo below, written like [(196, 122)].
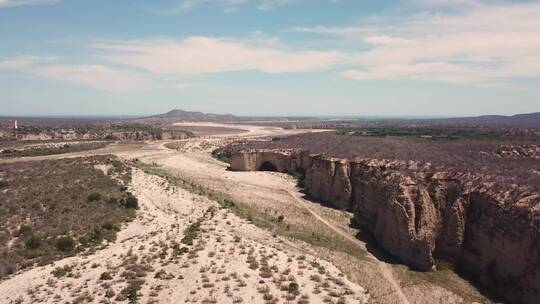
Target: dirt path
[(384, 268)]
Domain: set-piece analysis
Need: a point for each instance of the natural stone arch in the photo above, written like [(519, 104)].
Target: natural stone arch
[(268, 166)]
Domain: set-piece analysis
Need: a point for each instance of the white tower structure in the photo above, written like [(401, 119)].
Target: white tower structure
[(15, 126)]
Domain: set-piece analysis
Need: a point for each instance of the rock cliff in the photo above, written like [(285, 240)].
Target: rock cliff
[(419, 214)]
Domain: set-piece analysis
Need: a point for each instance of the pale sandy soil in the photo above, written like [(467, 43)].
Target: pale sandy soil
[(217, 267)]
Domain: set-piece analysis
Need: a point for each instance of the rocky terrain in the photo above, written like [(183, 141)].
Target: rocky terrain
[(484, 223)]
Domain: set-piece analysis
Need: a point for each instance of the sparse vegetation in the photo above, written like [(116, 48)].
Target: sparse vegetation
[(41, 151), (57, 208)]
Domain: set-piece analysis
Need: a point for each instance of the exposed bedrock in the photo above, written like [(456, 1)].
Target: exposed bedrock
[(419, 215)]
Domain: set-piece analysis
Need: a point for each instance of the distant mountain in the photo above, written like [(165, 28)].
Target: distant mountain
[(178, 115)]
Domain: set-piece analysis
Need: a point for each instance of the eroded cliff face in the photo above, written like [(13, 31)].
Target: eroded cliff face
[(420, 215)]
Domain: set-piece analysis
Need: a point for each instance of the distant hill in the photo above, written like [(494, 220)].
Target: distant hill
[(178, 115), (518, 119)]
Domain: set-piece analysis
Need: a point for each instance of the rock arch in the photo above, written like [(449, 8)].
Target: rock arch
[(268, 166)]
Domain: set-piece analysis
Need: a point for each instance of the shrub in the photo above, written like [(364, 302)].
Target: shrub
[(293, 288), (33, 243), (4, 184), (65, 244), (108, 226), (61, 271), (131, 201), (191, 234), (105, 276), (94, 196)]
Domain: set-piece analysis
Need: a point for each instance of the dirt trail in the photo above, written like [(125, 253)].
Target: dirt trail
[(384, 268)]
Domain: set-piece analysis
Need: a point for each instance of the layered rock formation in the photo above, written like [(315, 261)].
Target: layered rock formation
[(420, 214)]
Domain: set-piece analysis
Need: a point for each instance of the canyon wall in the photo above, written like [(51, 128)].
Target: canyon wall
[(420, 215)]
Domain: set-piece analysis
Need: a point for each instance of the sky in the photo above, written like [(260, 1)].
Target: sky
[(270, 57)]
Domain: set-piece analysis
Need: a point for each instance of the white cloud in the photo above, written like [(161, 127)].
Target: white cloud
[(98, 77), (334, 31), (227, 5), (16, 63), (387, 40), (197, 55), (11, 3), (482, 43)]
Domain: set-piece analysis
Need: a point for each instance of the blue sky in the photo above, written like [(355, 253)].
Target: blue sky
[(269, 57)]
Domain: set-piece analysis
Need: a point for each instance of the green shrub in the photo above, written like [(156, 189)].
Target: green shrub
[(293, 288), (65, 244), (33, 243), (94, 196), (59, 272), (108, 226), (191, 234), (299, 176), (131, 201)]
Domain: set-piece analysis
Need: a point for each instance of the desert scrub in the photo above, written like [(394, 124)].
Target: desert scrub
[(59, 272), (41, 151), (191, 233), (56, 208)]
